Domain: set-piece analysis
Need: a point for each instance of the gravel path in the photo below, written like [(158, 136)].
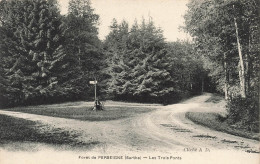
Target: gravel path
[(164, 130)]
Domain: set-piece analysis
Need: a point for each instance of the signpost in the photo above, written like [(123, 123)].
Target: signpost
[(94, 83), (97, 104)]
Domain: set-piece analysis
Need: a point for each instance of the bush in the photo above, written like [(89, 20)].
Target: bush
[(243, 112)]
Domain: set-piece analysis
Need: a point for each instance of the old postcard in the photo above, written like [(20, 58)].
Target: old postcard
[(129, 81)]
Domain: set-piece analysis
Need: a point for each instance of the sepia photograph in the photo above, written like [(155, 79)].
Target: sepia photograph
[(129, 81)]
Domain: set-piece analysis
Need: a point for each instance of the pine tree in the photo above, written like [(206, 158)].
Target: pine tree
[(83, 46), (139, 65), (117, 54), (155, 82), (33, 49)]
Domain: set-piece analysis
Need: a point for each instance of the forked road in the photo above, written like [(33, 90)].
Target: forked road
[(164, 130)]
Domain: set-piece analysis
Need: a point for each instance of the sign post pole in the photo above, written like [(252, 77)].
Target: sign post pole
[(94, 83), (97, 105), (95, 89)]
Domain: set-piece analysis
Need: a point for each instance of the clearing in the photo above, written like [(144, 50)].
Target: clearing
[(136, 128)]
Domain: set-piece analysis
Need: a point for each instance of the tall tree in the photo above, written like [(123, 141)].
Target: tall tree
[(83, 46), (224, 32), (31, 49), (143, 67), (225, 22)]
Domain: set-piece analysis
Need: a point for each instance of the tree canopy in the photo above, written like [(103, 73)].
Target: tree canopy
[(46, 57), (143, 66), (226, 34)]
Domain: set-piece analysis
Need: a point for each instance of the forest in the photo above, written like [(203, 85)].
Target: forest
[(47, 57)]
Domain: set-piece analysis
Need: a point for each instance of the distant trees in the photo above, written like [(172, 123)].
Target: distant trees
[(225, 33), (47, 57), (142, 66), (187, 68)]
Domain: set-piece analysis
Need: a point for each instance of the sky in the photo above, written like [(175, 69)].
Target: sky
[(166, 14)]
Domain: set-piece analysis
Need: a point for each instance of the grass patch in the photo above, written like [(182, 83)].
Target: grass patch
[(84, 113), (167, 125), (205, 136), (228, 141), (215, 99), (217, 122), (20, 130), (180, 130)]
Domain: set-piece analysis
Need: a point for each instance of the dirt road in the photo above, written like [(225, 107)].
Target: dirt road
[(164, 130)]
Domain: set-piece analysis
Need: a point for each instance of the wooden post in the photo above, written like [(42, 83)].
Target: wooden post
[(226, 77), (95, 89), (202, 84)]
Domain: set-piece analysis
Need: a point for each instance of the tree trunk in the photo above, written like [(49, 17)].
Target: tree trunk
[(258, 90), (190, 82), (226, 77), (202, 84), (79, 57), (247, 73), (241, 63), (248, 64)]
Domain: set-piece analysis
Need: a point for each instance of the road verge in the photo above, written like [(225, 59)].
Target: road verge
[(217, 122)]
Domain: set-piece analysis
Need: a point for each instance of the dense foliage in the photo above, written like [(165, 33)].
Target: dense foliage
[(46, 57), (143, 67), (226, 35), (33, 61), (243, 113), (84, 48)]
